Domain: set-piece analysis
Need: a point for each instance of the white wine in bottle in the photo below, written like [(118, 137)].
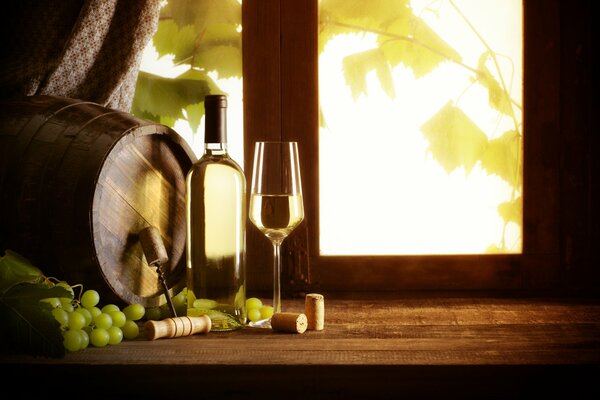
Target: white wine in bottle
[(216, 227)]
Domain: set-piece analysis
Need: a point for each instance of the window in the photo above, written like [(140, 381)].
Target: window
[(281, 101), (421, 108)]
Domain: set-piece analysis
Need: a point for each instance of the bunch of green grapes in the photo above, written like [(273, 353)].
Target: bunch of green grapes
[(256, 310), (83, 322)]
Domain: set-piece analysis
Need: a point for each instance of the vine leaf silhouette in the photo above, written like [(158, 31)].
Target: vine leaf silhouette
[(511, 211), (157, 97), (411, 42), (502, 157), (202, 14), (170, 39), (498, 98), (454, 139), (358, 65)]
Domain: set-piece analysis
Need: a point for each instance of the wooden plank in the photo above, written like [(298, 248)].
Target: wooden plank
[(449, 346)]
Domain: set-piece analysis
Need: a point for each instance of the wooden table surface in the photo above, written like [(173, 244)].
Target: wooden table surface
[(426, 347)]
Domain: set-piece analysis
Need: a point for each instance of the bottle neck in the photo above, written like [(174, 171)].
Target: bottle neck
[(215, 149), (215, 128)]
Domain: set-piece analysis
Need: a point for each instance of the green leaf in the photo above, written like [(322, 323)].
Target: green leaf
[(171, 39), (498, 98), (512, 211), (28, 325), (226, 60), (369, 14), (166, 97), (14, 269), (343, 16), (358, 65), (411, 42), (502, 158), (203, 13), (195, 111), (454, 139)]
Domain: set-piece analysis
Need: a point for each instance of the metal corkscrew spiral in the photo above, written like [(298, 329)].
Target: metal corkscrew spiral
[(156, 256)]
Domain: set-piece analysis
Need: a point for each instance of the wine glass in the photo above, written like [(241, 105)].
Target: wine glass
[(276, 205)]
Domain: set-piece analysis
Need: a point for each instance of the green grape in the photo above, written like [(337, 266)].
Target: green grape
[(253, 302), (153, 313), (103, 321), (85, 339), (99, 337), (134, 311), (266, 312), (115, 335), (95, 311), (66, 304), (61, 316), (118, 318), (90, 298), (179, 300), (86, 314), (88, 329), (72, 340), (108, 308), (76, 321), (205, 303), (131, 330), (53, 301), (254, 314)]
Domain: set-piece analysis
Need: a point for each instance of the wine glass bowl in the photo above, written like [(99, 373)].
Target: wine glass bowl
[(276, 206)]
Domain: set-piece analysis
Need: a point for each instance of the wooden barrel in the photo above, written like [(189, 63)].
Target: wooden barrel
[(78, 181)]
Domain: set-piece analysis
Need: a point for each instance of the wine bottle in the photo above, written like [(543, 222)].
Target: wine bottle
[(216, 227)]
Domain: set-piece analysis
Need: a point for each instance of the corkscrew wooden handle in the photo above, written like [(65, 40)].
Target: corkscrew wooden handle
[(176, 327)]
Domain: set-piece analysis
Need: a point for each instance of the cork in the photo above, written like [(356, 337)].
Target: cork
[(153, 246), (176, 327), (314, 308), (289, 322)]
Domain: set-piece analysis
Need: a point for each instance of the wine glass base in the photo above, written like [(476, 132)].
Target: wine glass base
[(263, 323)]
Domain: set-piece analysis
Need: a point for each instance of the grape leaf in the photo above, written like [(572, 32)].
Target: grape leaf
[(166, 97), (14, 268), (28, 325), (454, 139), (368, 14), (413, 43), (225, 59), (512, 211), (171, 39), (502, 156), (358, 65), (497, 97), (195, 112), (203, 13)]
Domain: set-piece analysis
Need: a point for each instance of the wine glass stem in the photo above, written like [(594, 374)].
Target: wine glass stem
[(276, 277)]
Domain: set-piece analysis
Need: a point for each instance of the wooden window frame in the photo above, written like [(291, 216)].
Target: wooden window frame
[(281, 103)]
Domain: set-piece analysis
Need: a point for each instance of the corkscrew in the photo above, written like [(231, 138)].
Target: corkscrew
[(156, 256)]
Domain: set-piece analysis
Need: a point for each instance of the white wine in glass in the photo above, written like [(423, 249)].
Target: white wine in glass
[(276, 206)]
